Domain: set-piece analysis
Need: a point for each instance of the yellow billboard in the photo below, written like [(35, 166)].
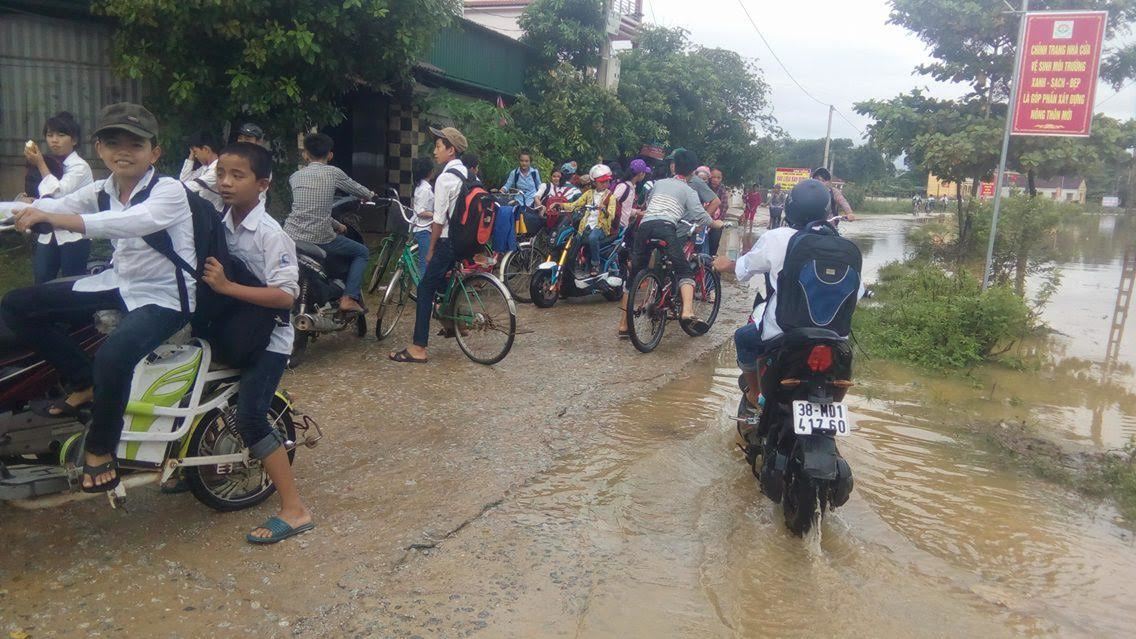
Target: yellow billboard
[(788, 178)]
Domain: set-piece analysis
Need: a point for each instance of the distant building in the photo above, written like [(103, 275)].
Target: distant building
[(502, 16), (1061, 188)]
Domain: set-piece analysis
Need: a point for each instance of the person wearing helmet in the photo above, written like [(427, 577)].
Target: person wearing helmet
[(671, 200), (599, 204), (805, 205), (250, 132)]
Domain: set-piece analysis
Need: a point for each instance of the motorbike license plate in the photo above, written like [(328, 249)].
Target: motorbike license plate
[(811, 417)]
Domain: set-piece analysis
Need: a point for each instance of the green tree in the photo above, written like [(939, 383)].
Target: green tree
[(569, 31), (286, 64), (570, 116), (712, 101)]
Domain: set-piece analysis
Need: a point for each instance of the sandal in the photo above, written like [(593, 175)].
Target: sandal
[(404, 357), (59, 408), (280, 531), (95, 471), (696, 324)]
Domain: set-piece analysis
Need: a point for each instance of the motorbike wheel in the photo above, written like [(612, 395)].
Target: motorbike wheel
[(707, 285), (540, 290), (517, 272), (229, 487), (646, 320), (299, 349), (392, 305), (800, 502)]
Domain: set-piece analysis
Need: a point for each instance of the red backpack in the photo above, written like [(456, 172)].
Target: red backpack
[(471, 223)]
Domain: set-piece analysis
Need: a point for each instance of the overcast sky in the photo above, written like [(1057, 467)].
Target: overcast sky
[(842, 51)]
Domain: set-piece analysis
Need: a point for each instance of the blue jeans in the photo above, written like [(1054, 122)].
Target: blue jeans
[(432, 281), (51, 259), (594, 238), (423, 240), (747, 341), (34, 314), (359, 255), (258, 387)]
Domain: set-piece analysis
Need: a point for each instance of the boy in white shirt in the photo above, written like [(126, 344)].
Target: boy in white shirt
[(60, 253), (154, 293), (203, 179), (258, 240)]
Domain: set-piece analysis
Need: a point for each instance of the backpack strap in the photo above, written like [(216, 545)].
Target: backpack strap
[(158, 240)]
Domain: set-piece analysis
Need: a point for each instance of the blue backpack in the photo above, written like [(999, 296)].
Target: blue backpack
[(819, 285)]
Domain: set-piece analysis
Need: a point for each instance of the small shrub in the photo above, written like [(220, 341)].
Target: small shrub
[(926, 316)]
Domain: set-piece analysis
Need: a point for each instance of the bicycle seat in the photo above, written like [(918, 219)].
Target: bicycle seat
[(311, 250)]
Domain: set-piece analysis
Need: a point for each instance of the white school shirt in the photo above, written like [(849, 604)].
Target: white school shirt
[(203, 181), (76, 175), (446, 189), (768, 256), (423, 201), (270, 254), (142, 275)]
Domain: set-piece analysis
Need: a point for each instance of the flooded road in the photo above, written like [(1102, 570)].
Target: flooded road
[(581, 489)]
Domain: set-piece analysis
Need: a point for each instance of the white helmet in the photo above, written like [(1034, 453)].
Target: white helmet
[(600, 171)]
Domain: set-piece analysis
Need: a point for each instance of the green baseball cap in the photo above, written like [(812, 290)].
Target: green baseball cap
[(674, 153), (129, 117)]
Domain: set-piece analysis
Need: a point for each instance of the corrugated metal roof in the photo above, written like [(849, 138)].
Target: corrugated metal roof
[(481, 58), (49, 65)]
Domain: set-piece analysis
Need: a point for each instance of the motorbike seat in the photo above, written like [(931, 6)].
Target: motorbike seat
[(656, 243), (311, 250)]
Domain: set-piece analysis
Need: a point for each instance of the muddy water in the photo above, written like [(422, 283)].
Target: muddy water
[(1078, 395), (657, 528)]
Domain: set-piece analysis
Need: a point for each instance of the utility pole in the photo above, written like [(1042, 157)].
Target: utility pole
[(828, 136), (1005, 146)]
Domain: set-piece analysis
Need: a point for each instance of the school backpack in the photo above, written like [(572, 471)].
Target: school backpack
[(471, 222), (237, 331), (819, 284), (516, 175)]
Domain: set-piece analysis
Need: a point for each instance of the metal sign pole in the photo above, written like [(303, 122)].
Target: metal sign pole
[(986, 273)]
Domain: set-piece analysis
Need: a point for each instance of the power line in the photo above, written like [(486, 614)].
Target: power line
[(788, 73), (1118, 92)]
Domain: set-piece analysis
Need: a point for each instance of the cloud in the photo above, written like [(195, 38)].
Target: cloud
[(842, 52)]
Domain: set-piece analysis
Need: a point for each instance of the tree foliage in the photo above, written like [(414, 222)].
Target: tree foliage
[(570, 116), (565, 31), (285, 64), (712, 101)]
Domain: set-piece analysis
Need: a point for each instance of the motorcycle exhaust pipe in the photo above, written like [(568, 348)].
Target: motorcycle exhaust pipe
[(309, 323)]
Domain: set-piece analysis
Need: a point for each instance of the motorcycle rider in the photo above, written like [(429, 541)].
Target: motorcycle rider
[(525, 178), (596, 225), (147, 285), (313, 193), (837, 202), (807, 204), (671, 200)]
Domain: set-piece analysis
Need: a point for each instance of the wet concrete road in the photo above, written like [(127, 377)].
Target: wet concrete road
[(412, 455), (581, 489)]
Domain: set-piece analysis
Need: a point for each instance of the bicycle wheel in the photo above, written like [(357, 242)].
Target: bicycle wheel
[(392, 305), (646, 318), (707, 298), (517, 270), (386, 248), (484, 317)]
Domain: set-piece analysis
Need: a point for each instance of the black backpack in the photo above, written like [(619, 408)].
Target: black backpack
[(819, 285), (471, 222), (237, 331)]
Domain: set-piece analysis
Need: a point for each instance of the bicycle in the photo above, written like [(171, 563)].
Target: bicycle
[(474, 305), (653, 297), (518, 266), (389, 248)]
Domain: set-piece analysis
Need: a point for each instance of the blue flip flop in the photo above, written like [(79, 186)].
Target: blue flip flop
[(280, 531)]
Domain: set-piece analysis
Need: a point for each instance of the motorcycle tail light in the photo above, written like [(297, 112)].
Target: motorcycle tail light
[(820, 359)]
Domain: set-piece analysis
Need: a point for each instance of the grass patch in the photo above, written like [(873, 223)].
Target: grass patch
[(937, 320), (880, 207)]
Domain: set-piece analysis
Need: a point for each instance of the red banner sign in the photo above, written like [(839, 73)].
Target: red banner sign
[(1057, 73)]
